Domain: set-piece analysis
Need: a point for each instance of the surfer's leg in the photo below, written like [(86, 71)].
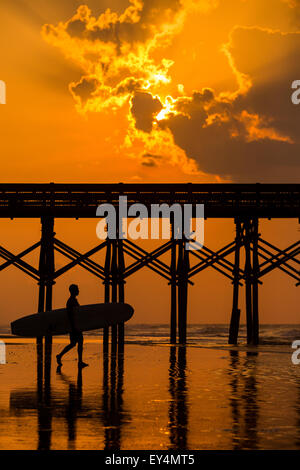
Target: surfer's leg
[(65, 350), (80, 350)]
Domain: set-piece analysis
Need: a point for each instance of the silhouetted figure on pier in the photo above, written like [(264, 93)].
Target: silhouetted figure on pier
[(76, 336)]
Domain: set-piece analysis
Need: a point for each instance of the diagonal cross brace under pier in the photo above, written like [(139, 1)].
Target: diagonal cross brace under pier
[(79, 259), (280, 260), (18, 262), (145, 258), (210, 258), (282, 265)]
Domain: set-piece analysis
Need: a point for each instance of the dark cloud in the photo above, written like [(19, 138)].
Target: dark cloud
[(270, 95), (153, 13), (217, 133), (118, 33), (216, 151), (150, 160), (76, 28), (128, 85), (158, 11), (85, 88), (143, 109)]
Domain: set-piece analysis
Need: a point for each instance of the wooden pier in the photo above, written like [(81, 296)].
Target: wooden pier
[(246, 204)]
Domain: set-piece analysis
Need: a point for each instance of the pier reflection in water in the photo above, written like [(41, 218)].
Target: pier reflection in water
[(113, 416), (243, 400), (178, 408), (103, 410), (150, 397)]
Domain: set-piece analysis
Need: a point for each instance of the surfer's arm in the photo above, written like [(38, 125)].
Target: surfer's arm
[(71, 305), (71, 317)]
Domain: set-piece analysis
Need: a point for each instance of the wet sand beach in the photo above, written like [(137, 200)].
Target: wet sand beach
[(203, 396)]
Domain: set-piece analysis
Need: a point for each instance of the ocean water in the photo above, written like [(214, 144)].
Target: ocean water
[(207, 395), (199, 334), (212, 334)]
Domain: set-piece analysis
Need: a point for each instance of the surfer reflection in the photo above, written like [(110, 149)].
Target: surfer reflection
[(73, 406), (76, 336)]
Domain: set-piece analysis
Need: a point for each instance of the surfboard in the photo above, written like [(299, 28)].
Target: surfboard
[(86, 317)]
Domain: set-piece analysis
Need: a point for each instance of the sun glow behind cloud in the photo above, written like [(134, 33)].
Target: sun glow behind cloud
[(125, 65)]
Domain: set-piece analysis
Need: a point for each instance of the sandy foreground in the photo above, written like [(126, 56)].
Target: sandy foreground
[(153, 397)]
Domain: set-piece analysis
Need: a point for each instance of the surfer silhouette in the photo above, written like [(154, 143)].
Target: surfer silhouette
[(76, 336)]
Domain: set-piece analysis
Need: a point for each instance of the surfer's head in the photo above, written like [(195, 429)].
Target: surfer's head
[(74, 290)]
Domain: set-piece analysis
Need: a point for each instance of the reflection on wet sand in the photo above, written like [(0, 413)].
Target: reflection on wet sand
[(103, 409), (73, 406), (178, 408), (178, 397), (113, 415), (44, 402), (297, 419), (243, 400)]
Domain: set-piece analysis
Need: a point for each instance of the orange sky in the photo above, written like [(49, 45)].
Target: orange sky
[(150, 91)]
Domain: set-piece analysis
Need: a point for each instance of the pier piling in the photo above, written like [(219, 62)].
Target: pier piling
[(46, 278), (235, 314)]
